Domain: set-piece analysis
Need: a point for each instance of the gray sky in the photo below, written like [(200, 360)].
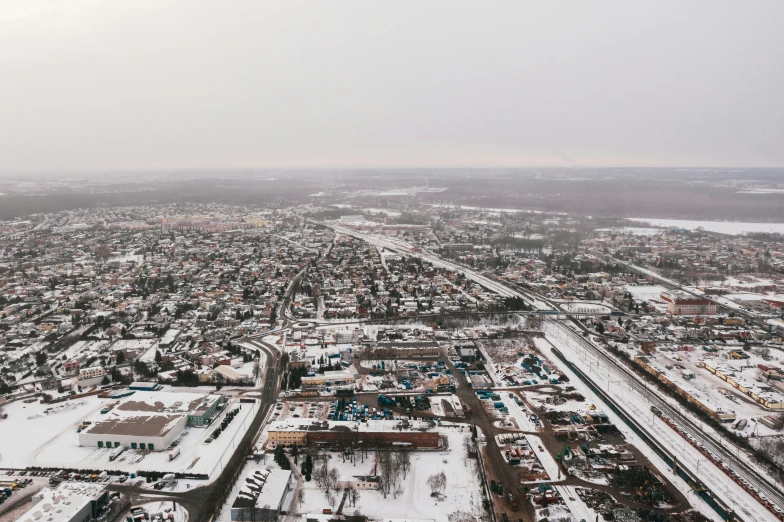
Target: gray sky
[(137, 84)]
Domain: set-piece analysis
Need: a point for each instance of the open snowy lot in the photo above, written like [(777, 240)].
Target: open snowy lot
[(646, 292), (30, 427), (580, 307), (462, 491)]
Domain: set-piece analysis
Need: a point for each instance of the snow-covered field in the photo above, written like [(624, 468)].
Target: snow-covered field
[(462, 490), (585, 307), (646, 292), (29, 428), (745, 296), (637, 231), (722, 227)]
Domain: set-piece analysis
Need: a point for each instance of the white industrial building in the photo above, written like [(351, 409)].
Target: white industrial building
[(261, 496), (68, 502), (91, 376), (144, 420), (329, 377), (452, 406)]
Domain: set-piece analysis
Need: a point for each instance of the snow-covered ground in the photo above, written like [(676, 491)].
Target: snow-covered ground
[(45, 435), (548, 462), (224, 514), (576, 506), (637, 231), (520, 414), (712, 390), (734, 228), (462, 490), (580, 307), (166, 508), (29, 428), (638, 407), (646, 292)]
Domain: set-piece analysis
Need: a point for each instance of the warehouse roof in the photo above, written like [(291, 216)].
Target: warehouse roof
[(263, 488), (62, 503), (139, 425), (151, 414)]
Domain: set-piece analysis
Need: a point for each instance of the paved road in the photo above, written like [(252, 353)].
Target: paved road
[(753, 319), (202, 502), (539, 302)]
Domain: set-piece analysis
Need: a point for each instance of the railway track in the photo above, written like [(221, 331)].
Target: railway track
[(689, 426)]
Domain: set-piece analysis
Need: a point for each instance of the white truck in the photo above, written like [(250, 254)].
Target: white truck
[(116, 452), (173, 453)]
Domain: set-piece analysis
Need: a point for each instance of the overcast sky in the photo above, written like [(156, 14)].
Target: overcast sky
[(137, 84)]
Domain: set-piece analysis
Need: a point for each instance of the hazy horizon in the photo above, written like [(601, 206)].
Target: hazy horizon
[(148, 86)]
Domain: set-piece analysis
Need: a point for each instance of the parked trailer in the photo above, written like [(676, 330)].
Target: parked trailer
[(739, 424), (116, 452), (174, 453)]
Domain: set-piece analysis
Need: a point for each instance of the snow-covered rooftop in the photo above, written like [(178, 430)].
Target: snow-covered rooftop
[(63, 503)]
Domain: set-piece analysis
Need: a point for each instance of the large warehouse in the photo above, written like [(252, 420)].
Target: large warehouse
[(68, 502), (150, 420)]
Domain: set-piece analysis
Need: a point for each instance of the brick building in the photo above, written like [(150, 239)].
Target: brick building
[(679, 303), (374, 433)]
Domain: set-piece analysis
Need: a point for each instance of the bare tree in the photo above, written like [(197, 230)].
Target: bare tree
[(389, 467), (468, 445), (404, 462), (267, 514), (461, 516), (436, 482), (384, 467), (321, 475), (353, 496), (333, 477)]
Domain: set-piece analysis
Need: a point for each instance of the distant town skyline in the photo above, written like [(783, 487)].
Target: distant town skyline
[(139, 85)]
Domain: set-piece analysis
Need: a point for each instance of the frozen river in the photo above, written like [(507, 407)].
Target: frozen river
[(723, 227)]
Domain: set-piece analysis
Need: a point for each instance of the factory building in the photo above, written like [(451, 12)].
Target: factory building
[(373, 433), (68, 502), (261, 496), (150, 420)]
